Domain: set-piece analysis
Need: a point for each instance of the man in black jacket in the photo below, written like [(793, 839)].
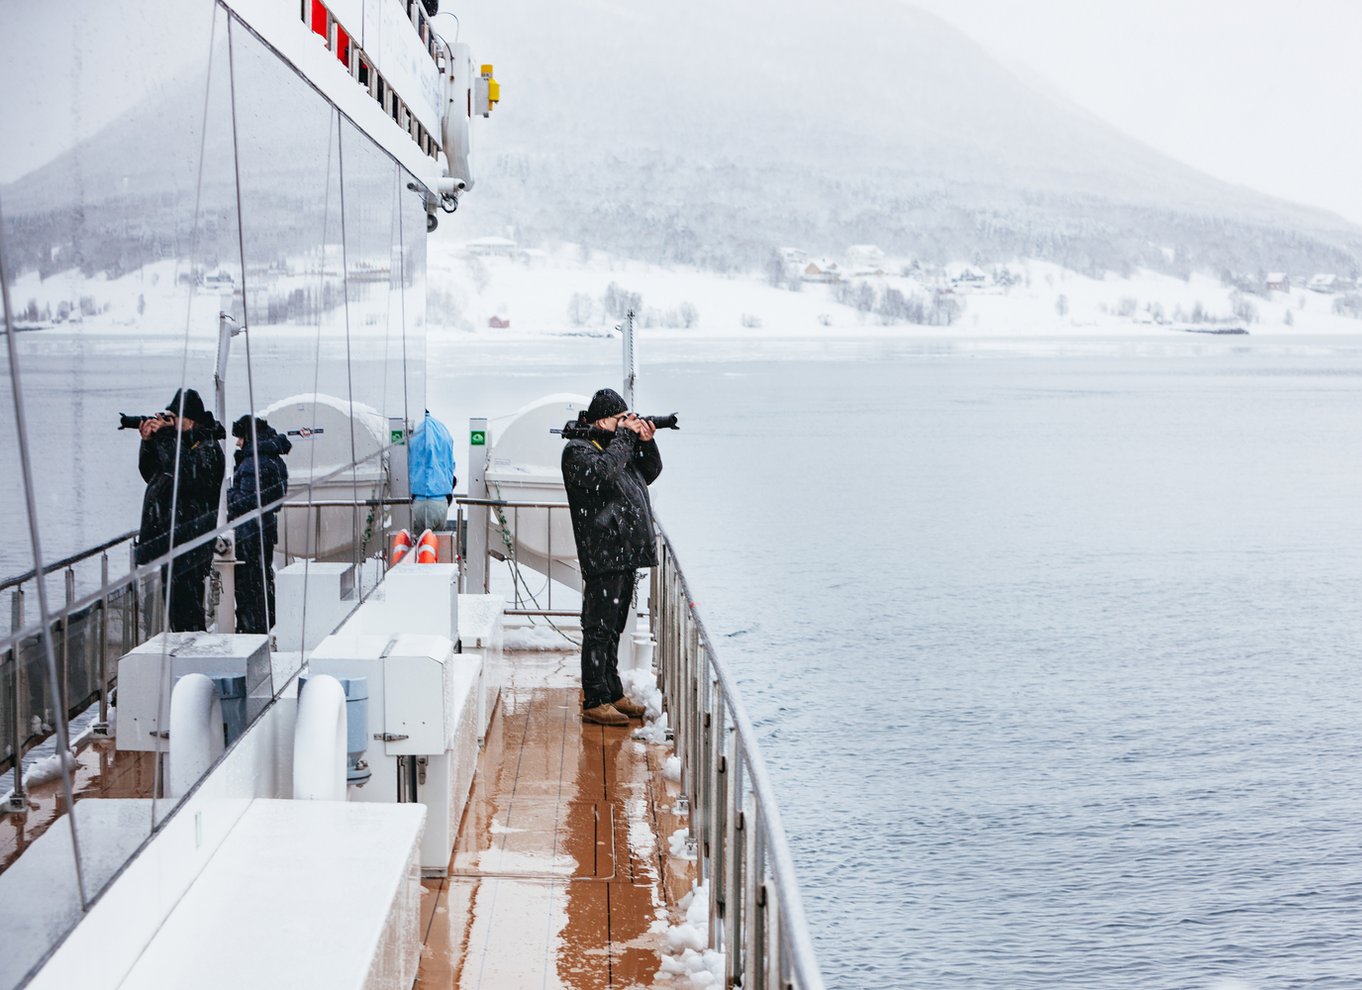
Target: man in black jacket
[(181, 461), (607, 478), (260, 473)]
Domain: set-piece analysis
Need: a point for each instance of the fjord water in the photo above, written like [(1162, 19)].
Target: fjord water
[(1053, 647)]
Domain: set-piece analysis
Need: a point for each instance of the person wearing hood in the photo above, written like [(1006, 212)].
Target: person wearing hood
[(182, 463), (607, 477), (259, 479), (430, 470)]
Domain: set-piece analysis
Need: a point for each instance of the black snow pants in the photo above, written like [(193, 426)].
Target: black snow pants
[(186, 578), (254, 588), (606, 600)]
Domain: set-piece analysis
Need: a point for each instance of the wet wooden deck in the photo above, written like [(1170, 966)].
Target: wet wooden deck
[(560, 877), (560, 873), (101, 772)]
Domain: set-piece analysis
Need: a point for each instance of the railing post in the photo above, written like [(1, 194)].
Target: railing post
[(775, 942), (734, 868), (754, 874), (136, 595), (102, 727), (63, 703), (18, 800), (17, 610)]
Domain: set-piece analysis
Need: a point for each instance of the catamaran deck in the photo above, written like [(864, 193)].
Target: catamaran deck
[(561, 868)]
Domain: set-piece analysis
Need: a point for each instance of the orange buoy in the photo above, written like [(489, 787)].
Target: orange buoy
[(401, 544), (428, 549)]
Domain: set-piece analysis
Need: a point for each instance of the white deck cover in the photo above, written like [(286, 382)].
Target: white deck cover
[(301, 894)]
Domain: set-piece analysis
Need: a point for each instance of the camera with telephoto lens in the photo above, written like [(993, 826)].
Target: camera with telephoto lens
[(580, 429), (126, 422)]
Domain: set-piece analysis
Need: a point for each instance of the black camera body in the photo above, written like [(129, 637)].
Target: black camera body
[(126, 422), (580, 429)]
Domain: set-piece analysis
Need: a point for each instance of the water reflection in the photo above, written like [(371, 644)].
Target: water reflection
[(191, 215)]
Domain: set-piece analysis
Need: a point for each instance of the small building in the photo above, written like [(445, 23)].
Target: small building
[(821, 270), (866, 256), (970, 278), (1277, 282), (1323, 283), (499, 323), (492, 247), (793, 256)]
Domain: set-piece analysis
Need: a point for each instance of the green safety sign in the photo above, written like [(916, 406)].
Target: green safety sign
[(399, 436), (477, 438)]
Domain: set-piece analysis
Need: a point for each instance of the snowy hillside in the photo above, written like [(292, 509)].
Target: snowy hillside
[(575, 291), (706, 133)]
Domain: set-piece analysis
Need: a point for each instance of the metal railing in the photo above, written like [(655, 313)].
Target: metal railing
[(510, 547), (89, 635), (756, 916)]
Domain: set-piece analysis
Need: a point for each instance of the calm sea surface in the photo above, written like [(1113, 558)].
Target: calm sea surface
[(1054, 647), (1056, 651)]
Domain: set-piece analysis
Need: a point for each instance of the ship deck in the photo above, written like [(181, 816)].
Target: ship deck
[(561, 871)]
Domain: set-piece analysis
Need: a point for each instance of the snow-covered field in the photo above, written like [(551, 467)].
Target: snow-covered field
[(535, 293), (564, 292)]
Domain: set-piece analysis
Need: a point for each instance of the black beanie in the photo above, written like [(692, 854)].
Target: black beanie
[(193, 407), (605, 403), (242, 427)]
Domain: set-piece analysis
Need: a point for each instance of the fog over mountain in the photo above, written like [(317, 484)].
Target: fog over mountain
[(707, 133), (711, 132)]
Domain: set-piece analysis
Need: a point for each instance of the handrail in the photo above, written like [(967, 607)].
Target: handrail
[(75, 558), (506, 503), (756, 955)]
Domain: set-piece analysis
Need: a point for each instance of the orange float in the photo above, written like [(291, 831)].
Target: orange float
[(400, 545), (428, 549)]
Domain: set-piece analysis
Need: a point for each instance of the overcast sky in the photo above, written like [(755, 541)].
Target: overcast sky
[(1264, 94)]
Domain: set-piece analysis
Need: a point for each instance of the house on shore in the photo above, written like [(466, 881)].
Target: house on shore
[(491, 247), (1277, 282), (1323, 283), (821, 270)]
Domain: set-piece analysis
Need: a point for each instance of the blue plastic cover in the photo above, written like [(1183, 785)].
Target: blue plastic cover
[(430, 459)]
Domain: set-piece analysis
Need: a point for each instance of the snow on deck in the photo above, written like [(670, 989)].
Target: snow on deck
[(558, 878)]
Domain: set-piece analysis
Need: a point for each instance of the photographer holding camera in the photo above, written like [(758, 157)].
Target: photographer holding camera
[(182, 463), (607, 474)]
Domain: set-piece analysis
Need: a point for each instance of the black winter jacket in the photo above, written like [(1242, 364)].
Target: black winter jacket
[(201, 470), (266, 457), (607, 481)]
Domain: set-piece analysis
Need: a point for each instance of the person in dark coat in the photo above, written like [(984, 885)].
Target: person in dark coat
[(607, 478), (182, 463), (260, 471)]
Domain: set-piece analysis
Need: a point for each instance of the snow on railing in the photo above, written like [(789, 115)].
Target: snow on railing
[(756, 918)]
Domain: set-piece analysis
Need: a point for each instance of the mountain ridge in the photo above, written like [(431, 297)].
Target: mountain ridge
[(879, 107)]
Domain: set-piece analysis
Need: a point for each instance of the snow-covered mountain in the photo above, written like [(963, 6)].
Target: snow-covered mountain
[(706, 133), (712, 131)]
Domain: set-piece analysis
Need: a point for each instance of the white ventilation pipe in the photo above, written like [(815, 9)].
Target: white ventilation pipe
[(196, 733), (319, 744)]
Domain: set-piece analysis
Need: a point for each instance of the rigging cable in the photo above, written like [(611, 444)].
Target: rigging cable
[(49, 655), (169, 569), (245, 316)]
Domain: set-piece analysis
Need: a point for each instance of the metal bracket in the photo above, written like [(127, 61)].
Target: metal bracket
[(100, 729), (390, 736), (421, 763), (14, 805)]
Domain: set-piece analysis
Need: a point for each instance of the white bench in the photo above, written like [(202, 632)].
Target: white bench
[(300, 894)]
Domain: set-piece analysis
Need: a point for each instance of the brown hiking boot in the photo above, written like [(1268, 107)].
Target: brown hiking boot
[(604, 715), (627, 707)]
